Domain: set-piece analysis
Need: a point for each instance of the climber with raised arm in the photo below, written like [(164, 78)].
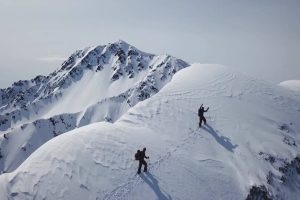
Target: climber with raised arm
[(201, 112)]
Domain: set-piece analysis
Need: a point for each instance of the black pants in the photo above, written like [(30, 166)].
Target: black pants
[(142, 162), (202, 118)]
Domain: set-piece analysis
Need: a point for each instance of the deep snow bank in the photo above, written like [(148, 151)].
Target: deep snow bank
[(252, 131)]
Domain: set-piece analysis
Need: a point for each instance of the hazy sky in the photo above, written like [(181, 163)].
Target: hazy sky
[(259, 37)]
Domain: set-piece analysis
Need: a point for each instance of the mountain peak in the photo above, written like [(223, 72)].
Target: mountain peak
[(119, 64), (121, 43), (94, 84)]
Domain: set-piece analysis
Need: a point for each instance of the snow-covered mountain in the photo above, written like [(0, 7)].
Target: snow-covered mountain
[(95, 84), (248, 150)]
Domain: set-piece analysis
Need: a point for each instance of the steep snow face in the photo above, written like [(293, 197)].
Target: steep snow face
[(251, 139), (95, 84), (292, 85)]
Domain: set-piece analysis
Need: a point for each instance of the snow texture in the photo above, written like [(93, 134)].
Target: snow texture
[(249, 147)]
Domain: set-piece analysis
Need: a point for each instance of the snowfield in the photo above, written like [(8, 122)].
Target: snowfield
[(251, 142)]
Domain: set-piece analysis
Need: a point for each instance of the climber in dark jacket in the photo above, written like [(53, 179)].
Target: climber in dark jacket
[(142, 156), (201, 112)]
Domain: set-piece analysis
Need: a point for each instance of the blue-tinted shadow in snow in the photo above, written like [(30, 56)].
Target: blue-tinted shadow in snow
[(222, 140), (153, 183)]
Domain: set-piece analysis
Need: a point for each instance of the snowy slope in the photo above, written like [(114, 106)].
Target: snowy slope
[(250, 144), (292, 85), (95, 84)]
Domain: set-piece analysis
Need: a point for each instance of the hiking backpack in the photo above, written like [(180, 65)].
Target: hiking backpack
[(137, 155)]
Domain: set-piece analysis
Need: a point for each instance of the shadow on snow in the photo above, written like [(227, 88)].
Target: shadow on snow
[(153, 183), (222, 140)]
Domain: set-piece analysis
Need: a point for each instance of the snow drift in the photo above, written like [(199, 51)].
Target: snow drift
[(249, 147)]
